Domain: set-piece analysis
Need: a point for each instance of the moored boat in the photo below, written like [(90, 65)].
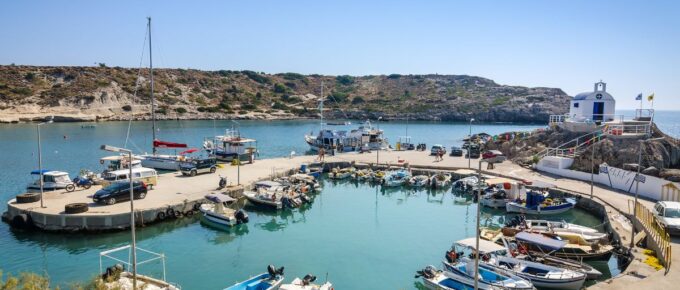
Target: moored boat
[(341, 173), (217, 210), (500, 191), (306, 283), (435, 279), (573, 233), (541, 275), (540, 244), (52, 180), (419, 181), (270, 280), (440, 180), (538, 203), (396, 178)]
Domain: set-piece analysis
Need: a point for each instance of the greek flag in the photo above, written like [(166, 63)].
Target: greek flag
[(640, 178), (603, 169), (639, 97)]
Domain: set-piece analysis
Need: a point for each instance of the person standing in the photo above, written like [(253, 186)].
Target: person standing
[(322, 153)]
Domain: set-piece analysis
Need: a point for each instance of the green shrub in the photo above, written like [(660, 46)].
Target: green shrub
[(255, 76), (357, 100), (340, 97), (22, 91), (394, 76), (280, 88), (292, 76), (242, 112), (180, 110), (279, 106), (30, 76), (500, 101), (344, 80)]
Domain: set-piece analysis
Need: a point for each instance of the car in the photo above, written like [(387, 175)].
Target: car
[(493, 156), (472, 152), (196, 166), (456, 151), (119, 191), (436, 148), (668, 214)]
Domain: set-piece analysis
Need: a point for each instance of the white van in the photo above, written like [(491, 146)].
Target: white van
[(146, 175)]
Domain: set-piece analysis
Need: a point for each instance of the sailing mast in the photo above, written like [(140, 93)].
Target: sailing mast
[(321, 106), (153, 99)]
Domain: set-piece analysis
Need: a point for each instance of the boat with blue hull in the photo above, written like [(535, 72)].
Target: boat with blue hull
[(265, 281), (435, 279), (539, 203)]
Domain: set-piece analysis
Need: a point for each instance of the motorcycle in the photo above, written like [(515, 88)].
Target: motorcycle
[(223, 182), (83, 182)]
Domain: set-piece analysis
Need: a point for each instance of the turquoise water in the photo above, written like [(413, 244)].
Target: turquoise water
[(362, 237)]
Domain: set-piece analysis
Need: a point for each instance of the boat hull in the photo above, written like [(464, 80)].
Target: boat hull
[(518, 208), (494, 203), (163, 163), (264, 203)]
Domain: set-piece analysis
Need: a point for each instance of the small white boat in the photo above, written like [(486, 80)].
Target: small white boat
[(443, 280), (396, 178), (500, 191), (265, 281), (162, 162), (538, 203), (52, 180), (217, 210), (419, 181), (543, 276), (306, 283), (465, 185), (363, 174), (341, 173), (591, 273), (440, 180), (565, 230)]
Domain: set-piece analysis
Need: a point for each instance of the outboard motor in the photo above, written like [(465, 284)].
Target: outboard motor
[(308, 279), (429, 272), (305, 198), (273, 272), (223, 182), (241, 217), (113, 272), (286, 202)]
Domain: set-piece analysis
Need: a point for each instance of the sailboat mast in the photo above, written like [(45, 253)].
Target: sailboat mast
[(321, 106), (153, 99)]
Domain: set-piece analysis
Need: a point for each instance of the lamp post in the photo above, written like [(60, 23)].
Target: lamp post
[(132, 210), (42, 182), (479, 209), (377, 151), (592, 167), (469, 139), (637, 186), (238, 156)]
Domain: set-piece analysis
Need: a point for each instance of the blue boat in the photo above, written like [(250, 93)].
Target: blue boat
[(265, 281), (444, 280), (538, 203)]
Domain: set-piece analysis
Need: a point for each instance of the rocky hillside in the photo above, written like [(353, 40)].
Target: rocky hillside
[(104, 93)]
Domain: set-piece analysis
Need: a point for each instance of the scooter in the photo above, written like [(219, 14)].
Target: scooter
[(83, 182), (223, 182)]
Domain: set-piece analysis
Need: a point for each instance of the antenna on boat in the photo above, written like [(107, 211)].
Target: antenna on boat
[(153, 99)]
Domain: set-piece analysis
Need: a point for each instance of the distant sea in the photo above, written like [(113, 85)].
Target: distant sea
[(667, 121)]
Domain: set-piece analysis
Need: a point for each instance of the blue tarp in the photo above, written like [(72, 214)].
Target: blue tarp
[(37, 172), (540, 240)]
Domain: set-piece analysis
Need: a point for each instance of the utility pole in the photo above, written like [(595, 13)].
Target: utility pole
[(637, 187)]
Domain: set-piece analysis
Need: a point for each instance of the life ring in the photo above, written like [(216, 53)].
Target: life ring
[(160, 216), (170, 212)]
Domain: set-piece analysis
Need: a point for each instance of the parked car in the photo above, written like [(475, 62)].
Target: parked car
[(119, 191), (494, 156), (436, 148), (668, 213), (456, 151), (196, 166), (472, 152)]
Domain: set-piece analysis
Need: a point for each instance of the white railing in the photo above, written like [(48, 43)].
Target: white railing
[(628, 129), (574, 147), (644, 114), (586, 119)]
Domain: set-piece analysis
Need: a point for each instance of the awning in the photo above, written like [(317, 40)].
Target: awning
[(218, 197), (540, 240), (165, 144), (37, 172), (484, 245)]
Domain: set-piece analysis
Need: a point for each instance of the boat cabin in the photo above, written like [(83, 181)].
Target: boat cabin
[(51, 179), (231, 146), (118, 162)]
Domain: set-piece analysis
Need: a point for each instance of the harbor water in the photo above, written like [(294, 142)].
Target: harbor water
[(360, 236)]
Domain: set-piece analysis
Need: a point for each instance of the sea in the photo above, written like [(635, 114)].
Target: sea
[(355, 235)]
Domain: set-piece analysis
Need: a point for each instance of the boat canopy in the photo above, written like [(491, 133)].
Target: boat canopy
[(192, 150), (484, 245), (540, 240), (218, 197), (165, 144), (37, 172)]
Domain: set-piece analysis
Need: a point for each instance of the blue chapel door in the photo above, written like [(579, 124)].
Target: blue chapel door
[(598, 110)]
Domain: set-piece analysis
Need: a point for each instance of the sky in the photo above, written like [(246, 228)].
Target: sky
[(633, 46)]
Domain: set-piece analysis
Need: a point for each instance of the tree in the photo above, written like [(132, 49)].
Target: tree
[(344, 80)]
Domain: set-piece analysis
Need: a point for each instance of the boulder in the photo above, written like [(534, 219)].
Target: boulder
[(670, 174), (651, 171)]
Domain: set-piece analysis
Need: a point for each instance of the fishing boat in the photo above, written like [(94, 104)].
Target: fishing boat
[(362, 174), (539, 203), (539, 244), (500, 191), (378, 176), (541, 275), (217, 210), (52, 180), (275, 197), (231, 146), (572, 232), (396, 178), (466, 184), (314, 170), (591, 273), (419, 181), (306, 283), (435, 279), (458, 264), (341, 173), (271, 280), (440, 180)]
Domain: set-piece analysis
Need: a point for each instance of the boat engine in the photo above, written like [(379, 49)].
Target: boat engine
[(308, 279), (273, 272), (112, 273), (241, 217), (429, 272)]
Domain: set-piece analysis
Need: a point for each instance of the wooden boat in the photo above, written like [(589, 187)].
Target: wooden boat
[(440, 180), (541, 244), (265, 281), (306, 283), (341, 173), (396, 178), (419, 181), (538, 203), (541, 275), (362, 174), (573, 233), (217, 211)]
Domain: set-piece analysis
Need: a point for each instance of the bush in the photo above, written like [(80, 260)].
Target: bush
[(162, 110), (279, 106), (180, 110), (30, 76), (340, 97), (280, 88), (127, 108), (357, 100), (22, 91), (242, 112), (208, 109), (248, 107), (394, 76), (292, 76), (256, 77), (344, 80)]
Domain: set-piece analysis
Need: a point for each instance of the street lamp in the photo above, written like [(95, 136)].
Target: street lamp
[(238, 155), (479, 209), (469, 139), (132, 210), (42, 182), (377, 151)]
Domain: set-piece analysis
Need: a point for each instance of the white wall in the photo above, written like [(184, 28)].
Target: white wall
[(616, 178)]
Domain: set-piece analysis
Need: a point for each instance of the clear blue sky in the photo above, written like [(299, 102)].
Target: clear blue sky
[(633, 46)]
